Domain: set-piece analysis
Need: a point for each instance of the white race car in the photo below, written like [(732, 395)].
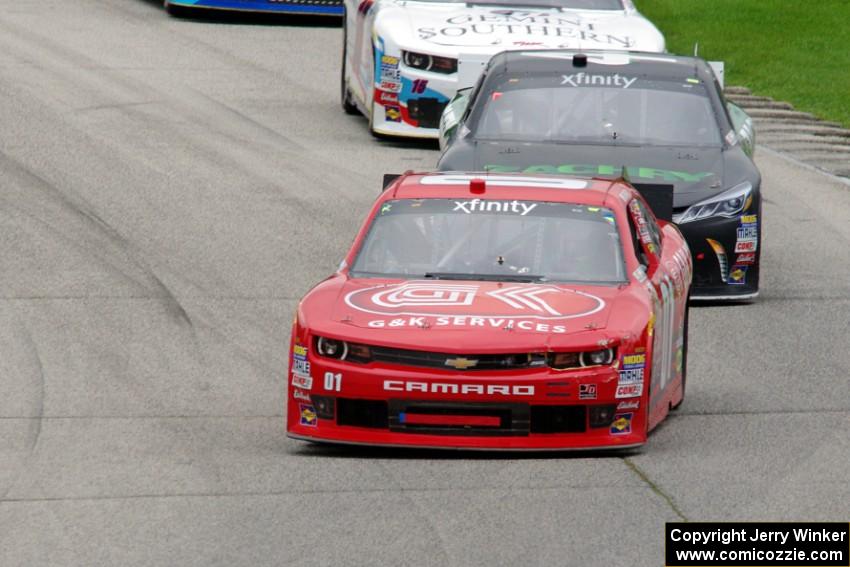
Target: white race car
[(403, 60)]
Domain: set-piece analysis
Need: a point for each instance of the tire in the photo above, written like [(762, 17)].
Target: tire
[(176, 11), (345, 94), (684, 352), (371, 115)]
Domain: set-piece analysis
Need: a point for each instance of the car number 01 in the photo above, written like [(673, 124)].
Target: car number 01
[(333, 382)]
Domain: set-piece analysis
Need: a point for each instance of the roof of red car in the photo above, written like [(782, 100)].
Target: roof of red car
[(532, 187)]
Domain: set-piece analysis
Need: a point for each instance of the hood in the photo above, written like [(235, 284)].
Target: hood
[(487, 29), (449, 315), (694, 173)]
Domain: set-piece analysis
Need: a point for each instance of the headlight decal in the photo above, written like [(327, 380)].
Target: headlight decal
[(728, 204)]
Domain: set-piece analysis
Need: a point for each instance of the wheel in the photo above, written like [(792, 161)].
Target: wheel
[(684, 352), (347, 103)]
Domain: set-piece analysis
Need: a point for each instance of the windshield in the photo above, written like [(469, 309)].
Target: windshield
[(601, 108), (492, 240), (563, 4)]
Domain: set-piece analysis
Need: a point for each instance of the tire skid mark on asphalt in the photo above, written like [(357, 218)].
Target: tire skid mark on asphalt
[(94, 236), (125, 88), (116, 89), (28, 347)]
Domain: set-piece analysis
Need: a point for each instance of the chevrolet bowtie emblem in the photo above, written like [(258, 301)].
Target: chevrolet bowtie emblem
[(461, 363)]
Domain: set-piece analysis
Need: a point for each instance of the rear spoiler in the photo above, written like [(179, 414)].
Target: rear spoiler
[(658, 197), (389, 178)]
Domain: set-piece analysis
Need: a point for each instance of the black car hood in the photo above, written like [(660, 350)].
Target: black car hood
[(695, 172)]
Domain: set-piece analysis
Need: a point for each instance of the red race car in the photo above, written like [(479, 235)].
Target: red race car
[(486, 311)]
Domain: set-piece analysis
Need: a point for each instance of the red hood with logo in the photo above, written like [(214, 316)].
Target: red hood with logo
[(466, 316)]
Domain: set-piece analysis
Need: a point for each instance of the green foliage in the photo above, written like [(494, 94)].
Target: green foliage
[(791, 50)]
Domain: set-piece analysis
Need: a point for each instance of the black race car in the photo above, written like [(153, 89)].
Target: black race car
[(660, 120)]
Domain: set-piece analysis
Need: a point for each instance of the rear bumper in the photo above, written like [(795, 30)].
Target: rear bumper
[(306, 7)]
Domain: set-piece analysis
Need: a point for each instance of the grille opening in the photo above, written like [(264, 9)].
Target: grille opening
[(426, 111), (362, 413), (446, 361), (558, 419)]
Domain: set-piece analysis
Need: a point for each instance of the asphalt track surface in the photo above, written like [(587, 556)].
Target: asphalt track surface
[(168, 191)]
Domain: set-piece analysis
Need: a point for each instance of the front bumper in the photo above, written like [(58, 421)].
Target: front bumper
[(306, 7), (726, 257), (510, 410), (411, 102)]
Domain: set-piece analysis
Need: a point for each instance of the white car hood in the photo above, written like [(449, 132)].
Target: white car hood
[(452, 28)]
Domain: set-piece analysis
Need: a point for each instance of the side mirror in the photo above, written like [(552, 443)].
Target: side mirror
[(743, 125), (452, 115)]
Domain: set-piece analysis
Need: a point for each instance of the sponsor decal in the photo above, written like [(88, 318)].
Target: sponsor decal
[(632, 376), (640, 274), (463, 389), (738, 275), (386, 98), (632, 370), (586, 79), (506, 324), (392, 113), (746, 258), (629, 391), (308, 415), (746, 246), (622, 424), (389, 60), (300, 395), (521, 208), (520, 301), (631, 404), (587, 391), (390, 72), (538, 308), (748, 232), (305, 382), (589, 169), (487, 27), (300, 365), (391, 85)]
